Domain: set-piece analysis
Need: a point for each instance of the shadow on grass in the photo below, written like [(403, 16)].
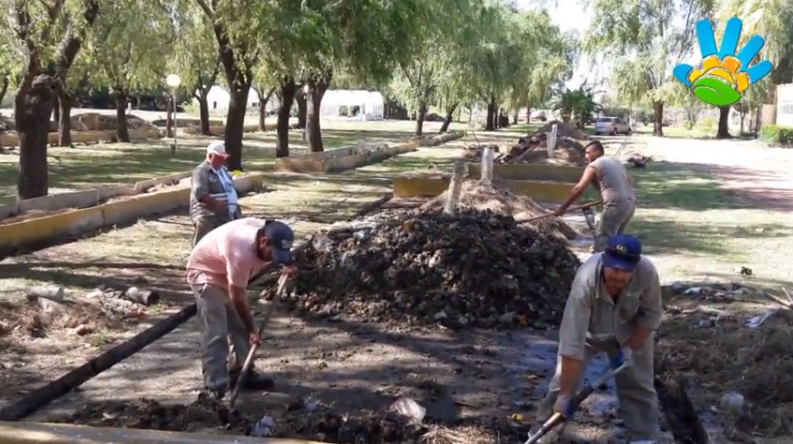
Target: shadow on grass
[(681, 186), (676, 237), (703, 187)]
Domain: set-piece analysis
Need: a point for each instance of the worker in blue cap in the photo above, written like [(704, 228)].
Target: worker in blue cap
[(614, 307)]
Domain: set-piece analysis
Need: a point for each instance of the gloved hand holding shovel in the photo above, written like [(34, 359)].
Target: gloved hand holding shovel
[(565, 407)]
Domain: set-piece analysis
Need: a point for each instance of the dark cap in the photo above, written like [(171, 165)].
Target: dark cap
[(623, 251), (280, 237)]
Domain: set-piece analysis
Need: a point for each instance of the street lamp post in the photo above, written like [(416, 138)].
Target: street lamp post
[(173, 81)]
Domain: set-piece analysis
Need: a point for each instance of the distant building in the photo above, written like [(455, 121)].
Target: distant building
[(784, 105), (336, 104), (352, 105), (218, 99)]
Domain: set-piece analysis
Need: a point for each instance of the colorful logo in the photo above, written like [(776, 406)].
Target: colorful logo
[(724, 76)]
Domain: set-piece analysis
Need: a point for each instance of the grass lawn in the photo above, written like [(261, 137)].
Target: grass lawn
[(699, 228), (90, 166)]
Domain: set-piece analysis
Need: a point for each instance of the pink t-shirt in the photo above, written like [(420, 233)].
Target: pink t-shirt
[(226, 255)]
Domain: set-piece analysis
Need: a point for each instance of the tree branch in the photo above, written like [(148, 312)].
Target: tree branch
[(207, 9)]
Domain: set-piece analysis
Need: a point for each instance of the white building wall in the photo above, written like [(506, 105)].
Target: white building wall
[(218, 99), (784, 105)]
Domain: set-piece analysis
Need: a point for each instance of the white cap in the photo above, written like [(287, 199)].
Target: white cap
[(217, 148)]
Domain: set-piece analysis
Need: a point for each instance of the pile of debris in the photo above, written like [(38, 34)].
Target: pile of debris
[(717, 336), (303, 421), (473, 269), (636, 160), (475, 151), (533, 148), (477, 197)]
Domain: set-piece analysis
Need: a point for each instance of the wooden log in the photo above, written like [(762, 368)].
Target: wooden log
[(143, 297)]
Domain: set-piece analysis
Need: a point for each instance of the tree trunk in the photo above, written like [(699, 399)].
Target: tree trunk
[(515, 117), (302, 111), (491, 111), (420, 116), (235, 125), (122, 129), (56, 108), (743, 118), (263, 100), (723, 131), (4, 87), (449, 117), (203, 109), (528, 113), (658, 119), (65, 119), (32, 111), (317, 86), (288, 89), (262, 114)]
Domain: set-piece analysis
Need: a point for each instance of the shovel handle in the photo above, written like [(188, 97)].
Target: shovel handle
[(574, 208), (249, 359), (557, 418)]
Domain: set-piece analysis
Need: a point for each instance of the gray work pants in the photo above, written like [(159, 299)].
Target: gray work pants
[(613, 220), (202, 225), (635, 391), (224, 338)]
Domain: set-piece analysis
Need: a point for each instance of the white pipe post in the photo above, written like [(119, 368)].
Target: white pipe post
[(455, 187)]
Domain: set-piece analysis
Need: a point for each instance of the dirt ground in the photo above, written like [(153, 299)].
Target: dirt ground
[(471, 378)]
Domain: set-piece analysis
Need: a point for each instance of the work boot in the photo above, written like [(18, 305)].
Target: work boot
[(251, 381)]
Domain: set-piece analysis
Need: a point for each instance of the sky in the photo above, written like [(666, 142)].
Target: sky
[(570, 15)]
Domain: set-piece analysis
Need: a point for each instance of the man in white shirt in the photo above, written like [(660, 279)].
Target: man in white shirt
[(213, 198)]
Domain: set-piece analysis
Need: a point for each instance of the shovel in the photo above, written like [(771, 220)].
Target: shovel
[(574, 208), (249, 359), (557, 418)]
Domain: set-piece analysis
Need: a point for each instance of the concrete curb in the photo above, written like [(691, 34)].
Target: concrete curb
[(528, 171), (29, 433), (434, 185), (87, 136), (76, 222), (344, 159)]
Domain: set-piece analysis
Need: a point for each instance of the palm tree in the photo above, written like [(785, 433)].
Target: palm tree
[(576, 105)]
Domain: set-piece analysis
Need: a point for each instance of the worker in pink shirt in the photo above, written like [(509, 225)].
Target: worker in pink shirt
[(218, 271)]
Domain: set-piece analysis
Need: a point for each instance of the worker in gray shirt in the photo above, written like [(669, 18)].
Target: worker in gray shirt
[(213, 198), (616, 190), (614, 307)]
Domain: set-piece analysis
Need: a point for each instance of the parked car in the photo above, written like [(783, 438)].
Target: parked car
[(612, 126)]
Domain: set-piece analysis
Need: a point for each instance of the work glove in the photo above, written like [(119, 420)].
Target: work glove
[(564, 406), (624, 356)]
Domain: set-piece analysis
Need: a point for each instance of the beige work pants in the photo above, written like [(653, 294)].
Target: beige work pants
[(613, 220), (224, 338), (635, 391)]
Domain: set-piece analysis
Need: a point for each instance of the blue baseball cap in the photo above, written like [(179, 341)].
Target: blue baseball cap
[(280, 237), (623, 251)]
